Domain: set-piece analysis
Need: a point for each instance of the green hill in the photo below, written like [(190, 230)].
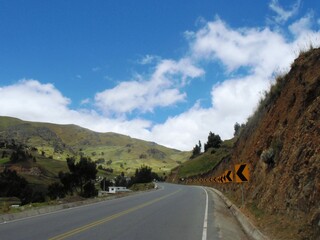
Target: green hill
[(204, 163), (110, 150)]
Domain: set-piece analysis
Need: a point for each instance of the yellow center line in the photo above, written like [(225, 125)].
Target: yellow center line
[(109, 218)]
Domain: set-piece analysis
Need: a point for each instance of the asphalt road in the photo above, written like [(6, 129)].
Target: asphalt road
[(172, 212)]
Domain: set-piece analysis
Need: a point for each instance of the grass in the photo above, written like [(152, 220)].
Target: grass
[(51, 144), (206, 161), (4, 160), (142, 186), (257, 212), (54, 143), (49, 169), (61, 141), (127, 159), (51, 166)]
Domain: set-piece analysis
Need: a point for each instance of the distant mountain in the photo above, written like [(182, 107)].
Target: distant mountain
[(110, 150)]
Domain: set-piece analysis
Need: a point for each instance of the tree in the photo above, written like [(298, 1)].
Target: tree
[(12, 185), (236, 129), (144, 175), (89, 190), (196, 150), (18, 156), (68, 181), (56, 190), (81, 174), (121, 180), (214, 141)]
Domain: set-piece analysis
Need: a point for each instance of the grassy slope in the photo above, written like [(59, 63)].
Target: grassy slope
[(49, 169), (206, 161), (61, 141)]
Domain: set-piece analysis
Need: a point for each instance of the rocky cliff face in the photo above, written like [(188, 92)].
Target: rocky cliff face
[(281, 143)]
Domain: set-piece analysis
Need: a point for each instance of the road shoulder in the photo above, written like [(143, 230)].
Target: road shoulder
[(222, 202), (225, 225)]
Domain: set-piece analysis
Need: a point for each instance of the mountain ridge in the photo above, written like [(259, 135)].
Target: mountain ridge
[(60, 141)]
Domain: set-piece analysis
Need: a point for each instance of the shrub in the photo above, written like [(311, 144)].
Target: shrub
[(267, 156), (56, 190), (214, 141), (144, 175), (12, 185), (89, 190)]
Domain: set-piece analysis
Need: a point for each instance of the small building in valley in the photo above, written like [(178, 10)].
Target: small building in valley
[(118, 189)]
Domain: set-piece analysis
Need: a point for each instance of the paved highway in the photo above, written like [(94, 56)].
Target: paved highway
[(172, 212)]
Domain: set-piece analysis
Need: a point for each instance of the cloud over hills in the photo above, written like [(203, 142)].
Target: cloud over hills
[(249, 59)]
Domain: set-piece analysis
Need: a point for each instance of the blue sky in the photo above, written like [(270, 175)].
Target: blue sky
[(163, 71)]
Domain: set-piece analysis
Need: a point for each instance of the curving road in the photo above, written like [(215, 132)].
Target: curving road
[(172, 212)]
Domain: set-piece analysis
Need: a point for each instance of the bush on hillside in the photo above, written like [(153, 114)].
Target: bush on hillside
[(56, 190), (80, 179), (267, 156), (13, 185), (214, 141), (144, 175), (89, 190), (196, 150)]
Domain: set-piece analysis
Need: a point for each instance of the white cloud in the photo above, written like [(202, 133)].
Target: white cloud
[(261, 51), (85, 101), (301, 26), (30, 99), (304, 35), (149, 59), (238, 47), (34, 101), (161, 89), (183, 131), (282, 14), (128, 96)]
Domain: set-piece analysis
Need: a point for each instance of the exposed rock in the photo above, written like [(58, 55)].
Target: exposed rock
[(281, 144)]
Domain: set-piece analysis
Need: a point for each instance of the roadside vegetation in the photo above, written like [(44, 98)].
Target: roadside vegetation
[(27, 177), (205, 161), (41, 163), (113, 153), (202, 162)]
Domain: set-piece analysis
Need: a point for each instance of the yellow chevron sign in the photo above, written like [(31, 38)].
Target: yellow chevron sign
[(241, 173), (228, 176)]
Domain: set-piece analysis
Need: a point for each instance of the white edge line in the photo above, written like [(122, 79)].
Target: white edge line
[(205, 221)]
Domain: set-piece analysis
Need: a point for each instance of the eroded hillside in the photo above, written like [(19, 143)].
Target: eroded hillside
[(281, 144)]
